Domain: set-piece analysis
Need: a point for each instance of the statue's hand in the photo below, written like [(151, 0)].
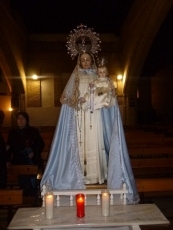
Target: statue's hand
[(82, 100), (91, 85)]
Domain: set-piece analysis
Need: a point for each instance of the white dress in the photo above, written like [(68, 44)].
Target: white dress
[(102, 91), (90, 138)]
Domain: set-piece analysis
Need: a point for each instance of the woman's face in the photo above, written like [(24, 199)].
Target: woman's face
[(85, 61), (21, 121)]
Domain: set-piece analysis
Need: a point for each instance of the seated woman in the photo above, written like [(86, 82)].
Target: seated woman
[(88, 147)]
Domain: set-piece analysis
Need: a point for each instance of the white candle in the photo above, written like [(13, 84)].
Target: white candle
[(105, 202), (49, 205)]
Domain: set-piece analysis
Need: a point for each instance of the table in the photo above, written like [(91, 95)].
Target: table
[(65, 217)]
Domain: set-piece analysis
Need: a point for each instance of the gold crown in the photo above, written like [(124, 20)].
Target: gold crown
[(83, 40)]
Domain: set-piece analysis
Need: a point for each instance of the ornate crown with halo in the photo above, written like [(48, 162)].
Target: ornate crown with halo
[(102, 61), (82, 40)]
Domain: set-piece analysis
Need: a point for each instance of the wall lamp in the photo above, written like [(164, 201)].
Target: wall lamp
[(119, 77), (35, 77)]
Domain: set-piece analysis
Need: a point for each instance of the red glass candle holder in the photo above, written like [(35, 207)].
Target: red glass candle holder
[(80, 205)]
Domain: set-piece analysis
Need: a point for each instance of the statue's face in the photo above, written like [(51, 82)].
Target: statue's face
[(85, 61), (102, 72)]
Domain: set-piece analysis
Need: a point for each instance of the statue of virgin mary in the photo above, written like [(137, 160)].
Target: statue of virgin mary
[(89, 146)]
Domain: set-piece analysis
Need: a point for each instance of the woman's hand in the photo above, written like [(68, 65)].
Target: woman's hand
[(7, 147), (30, 155), (8, 164)]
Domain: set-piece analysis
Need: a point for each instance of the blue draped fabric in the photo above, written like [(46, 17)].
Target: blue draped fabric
[(119, 166), (63, 170)]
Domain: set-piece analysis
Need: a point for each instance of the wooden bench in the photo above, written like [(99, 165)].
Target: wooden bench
[(23, 169), (14, 171), (10, 198), (153, 175), (152, 163), (154, 185), (148, 152), (143, 144), (148, 131), (150, 141), (152, 167), (141, 135)]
